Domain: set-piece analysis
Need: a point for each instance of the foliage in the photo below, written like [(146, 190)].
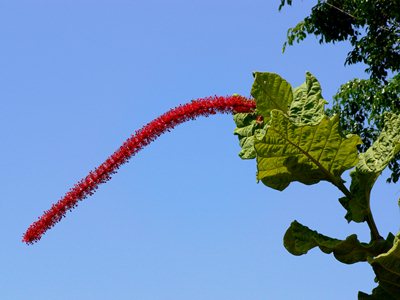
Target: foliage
[(373, 30), (293, 139), (372, 27), (362, 104)]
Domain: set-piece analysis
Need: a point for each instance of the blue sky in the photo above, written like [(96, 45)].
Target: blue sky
[(185, 218)]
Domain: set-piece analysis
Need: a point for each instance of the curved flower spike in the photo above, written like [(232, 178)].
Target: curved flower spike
[(141, 138)]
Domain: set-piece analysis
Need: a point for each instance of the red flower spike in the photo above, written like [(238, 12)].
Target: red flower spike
[(141, 138)]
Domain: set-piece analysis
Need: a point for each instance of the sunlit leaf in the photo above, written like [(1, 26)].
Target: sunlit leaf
[(307, 154), (304, 105)]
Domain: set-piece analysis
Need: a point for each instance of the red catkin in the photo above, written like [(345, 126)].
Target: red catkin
[(141, 138)]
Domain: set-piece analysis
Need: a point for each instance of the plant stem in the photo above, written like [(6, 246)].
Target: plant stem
[(369, 217), (372, 226)]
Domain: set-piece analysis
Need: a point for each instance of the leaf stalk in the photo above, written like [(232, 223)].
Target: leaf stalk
[(369, 217)]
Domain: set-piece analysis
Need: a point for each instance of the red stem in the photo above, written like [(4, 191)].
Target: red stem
[(141, 138)]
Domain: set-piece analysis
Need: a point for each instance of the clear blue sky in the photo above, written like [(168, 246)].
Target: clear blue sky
[(185, 218)]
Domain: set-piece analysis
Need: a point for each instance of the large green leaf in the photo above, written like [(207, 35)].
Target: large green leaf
[(370, 166), (307, 154), (299, 239), (271, 91), (304, 105), (387, 269)]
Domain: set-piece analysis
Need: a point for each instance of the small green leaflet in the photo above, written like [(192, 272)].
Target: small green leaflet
[(308, 154), (370, 166)]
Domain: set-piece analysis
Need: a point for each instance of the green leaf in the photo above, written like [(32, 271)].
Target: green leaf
[(299, 239), (304, 106), (308, 105), (370, 166), (271, 91), (307, 154), (387, 269), (377, 157)]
